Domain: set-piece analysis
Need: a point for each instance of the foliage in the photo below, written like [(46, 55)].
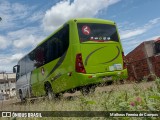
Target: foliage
[(137, 98)]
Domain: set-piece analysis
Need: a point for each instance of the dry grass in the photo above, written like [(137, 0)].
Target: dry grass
[(68, 98), (109, 98)]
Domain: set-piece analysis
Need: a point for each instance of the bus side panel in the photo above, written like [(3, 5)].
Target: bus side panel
[(34, 82), (48, 72), (28, 92), (63, 79), (43, 74)]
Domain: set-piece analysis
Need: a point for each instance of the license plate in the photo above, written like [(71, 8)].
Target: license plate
[(118, 66), (107, 78)]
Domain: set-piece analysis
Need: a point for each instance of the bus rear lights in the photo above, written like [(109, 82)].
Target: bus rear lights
[(79, 64)]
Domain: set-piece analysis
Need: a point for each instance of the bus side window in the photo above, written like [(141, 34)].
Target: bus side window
[(29, 63), (39, 56), (63, 42), (51, 50), (57, 44), (22, 67)]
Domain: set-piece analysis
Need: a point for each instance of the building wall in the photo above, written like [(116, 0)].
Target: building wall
[(7, 84), (143, 62)]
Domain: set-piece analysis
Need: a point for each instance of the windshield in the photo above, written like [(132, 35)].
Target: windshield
[(97, 32)]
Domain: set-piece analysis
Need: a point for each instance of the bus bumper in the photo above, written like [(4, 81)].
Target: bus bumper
[(87, 79)]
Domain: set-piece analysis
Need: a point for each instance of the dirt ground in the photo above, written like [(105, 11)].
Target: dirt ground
[(117, 87), (114, 87), (128, 86)]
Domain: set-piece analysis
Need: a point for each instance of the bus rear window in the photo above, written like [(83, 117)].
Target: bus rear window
[(97, 32)]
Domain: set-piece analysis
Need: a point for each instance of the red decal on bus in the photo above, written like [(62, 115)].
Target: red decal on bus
[(86, 30)]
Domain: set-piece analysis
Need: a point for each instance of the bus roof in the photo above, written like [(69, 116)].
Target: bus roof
[(92, 20)]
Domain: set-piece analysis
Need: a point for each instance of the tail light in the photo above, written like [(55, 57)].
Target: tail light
[(79, 64), (124, 61)]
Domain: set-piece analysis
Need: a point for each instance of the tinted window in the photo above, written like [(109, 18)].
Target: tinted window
[(97, 32), (40, 55), (29, 63), (53, 48), (22, 66), (57, 44), (52, 52)]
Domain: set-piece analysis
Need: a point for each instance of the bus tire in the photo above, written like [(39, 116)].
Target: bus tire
[(88, 90), (21, 96), (50, 94)]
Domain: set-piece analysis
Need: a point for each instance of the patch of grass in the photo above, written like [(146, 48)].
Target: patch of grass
[(134, 99)]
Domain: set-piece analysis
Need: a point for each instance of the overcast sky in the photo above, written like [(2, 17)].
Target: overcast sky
[(27, 22)]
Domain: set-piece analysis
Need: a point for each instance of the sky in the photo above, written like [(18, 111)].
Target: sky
[(25, 23)]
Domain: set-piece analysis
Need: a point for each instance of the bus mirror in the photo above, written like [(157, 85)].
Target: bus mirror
[(18, 68), (14, 70)]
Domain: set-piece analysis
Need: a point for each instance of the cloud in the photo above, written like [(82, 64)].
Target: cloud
[(132, 32), (155, 21), (9, 61), (65, 10), (152, 38), (4, 43), (16, 57), (11, 12), (11, 58), (24, 42), (27, 37), (15, 15), (37, 16)]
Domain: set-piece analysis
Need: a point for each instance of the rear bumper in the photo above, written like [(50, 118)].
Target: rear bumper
[(87, 79)]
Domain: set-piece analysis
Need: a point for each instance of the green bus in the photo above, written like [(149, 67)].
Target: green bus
[(80, 54)]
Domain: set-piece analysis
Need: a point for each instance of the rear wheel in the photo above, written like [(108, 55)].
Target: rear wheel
[(21, 96), (88, 90), (50, 94)]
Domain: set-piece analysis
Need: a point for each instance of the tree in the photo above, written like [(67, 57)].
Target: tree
[(0, 18)]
